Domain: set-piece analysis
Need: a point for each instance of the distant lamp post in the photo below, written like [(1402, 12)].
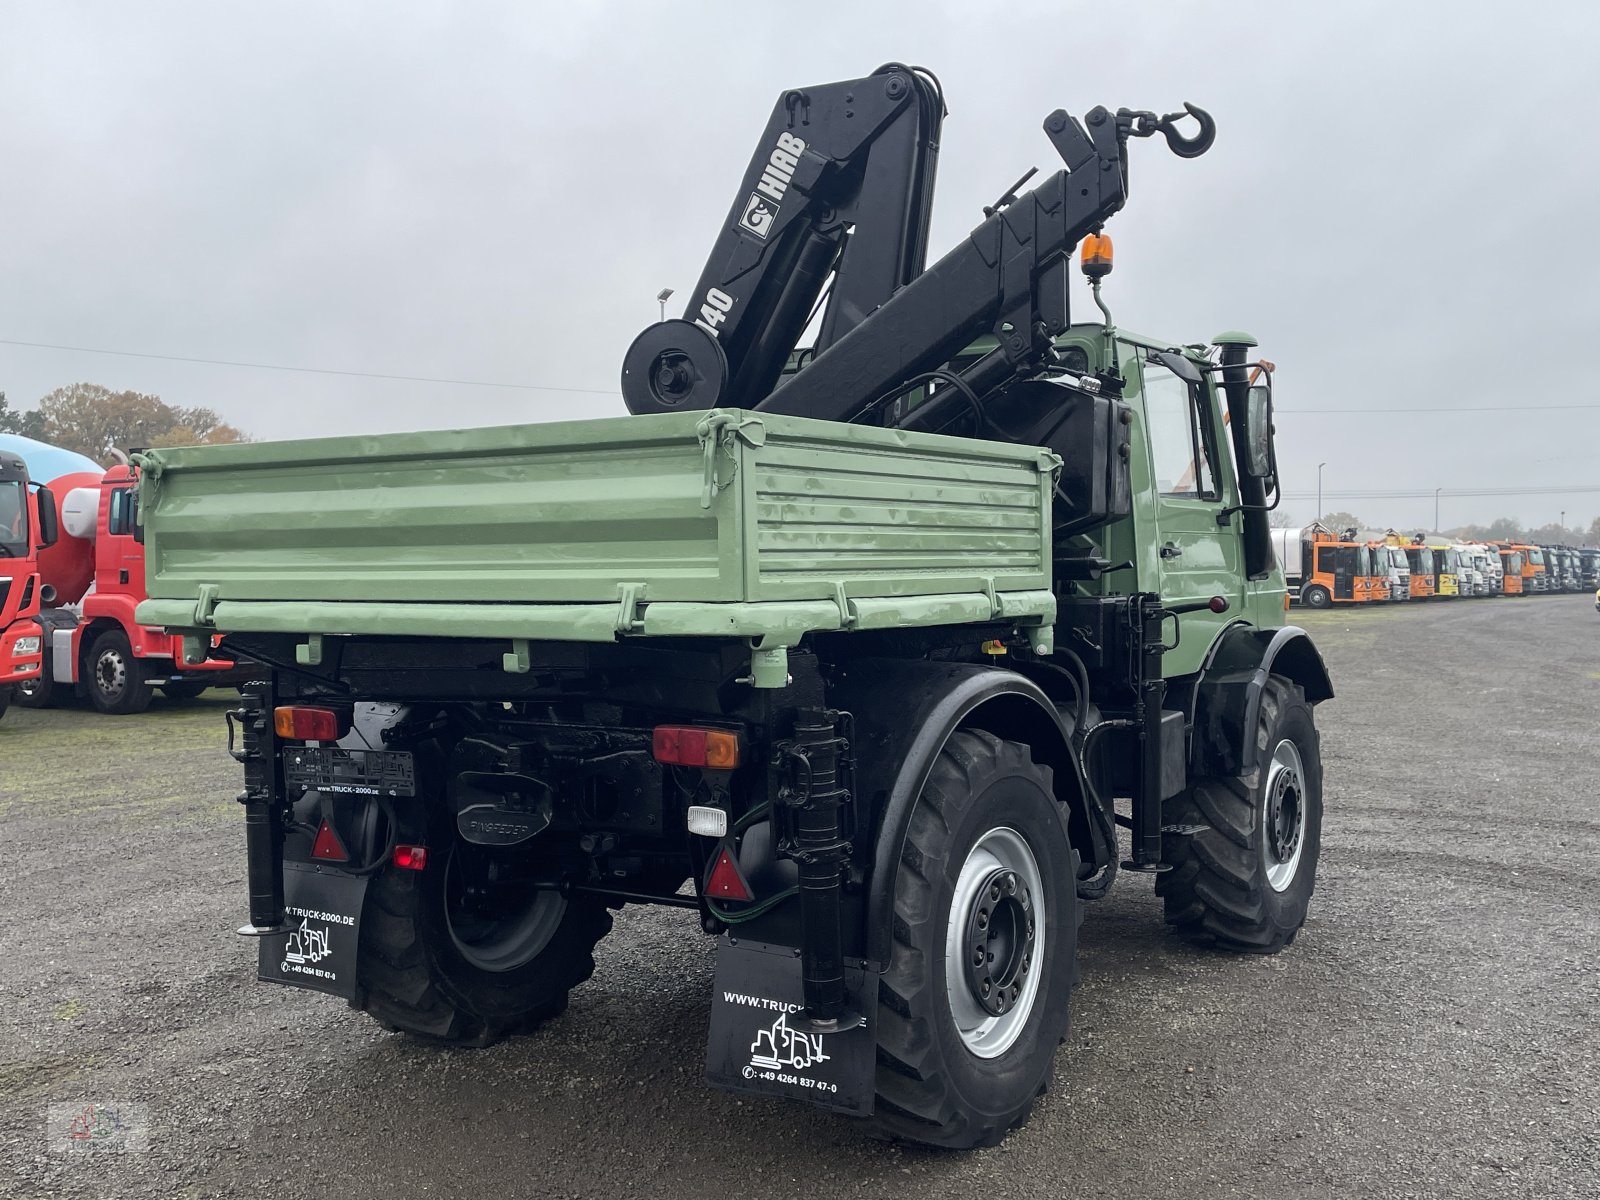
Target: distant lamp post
[(1319, 489), (662, 297), (1563, 522), (1436, 492)]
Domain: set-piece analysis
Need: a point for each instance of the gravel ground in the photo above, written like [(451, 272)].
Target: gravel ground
[(1432, 1032)]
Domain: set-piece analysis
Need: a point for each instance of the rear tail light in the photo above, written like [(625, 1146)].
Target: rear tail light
[(411, 858), (690, 746), (303, 724)]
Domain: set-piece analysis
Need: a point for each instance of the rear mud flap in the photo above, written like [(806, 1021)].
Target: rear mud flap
[(753, 1047), (320, 954)]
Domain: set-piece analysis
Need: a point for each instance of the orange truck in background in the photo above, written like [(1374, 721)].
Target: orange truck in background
[(1323, 567), (1511, 559)]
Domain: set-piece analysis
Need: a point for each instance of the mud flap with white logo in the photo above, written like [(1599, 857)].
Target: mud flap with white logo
[(324, 906), (753, 1047)]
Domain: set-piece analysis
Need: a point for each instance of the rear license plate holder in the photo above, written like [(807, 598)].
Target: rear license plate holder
[(350, 772)]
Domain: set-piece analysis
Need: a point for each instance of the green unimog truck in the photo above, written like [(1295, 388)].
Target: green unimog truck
[(865, 662)]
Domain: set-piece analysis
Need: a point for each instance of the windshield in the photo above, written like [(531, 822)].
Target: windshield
[(1398, 560), (13, 518), (1536, 556)]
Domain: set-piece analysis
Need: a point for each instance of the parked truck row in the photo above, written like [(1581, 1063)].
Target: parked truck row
[(71, 575), (1324, 567)]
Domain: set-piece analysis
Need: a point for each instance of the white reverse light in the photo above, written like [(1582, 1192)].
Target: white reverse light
[(707, 821)]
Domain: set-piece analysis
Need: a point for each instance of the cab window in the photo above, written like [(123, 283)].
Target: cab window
[(124, 514), (1179, 451)]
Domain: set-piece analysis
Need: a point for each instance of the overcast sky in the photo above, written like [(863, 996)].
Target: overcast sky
[(1402, 205)]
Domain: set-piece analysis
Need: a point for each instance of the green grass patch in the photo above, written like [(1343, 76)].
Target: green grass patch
[(170, 762)]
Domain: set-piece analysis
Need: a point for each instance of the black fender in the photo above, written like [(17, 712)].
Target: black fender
[(905, 710), (1227, 694)]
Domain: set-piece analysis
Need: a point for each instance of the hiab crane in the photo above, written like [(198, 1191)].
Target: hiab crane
[(876, 652)]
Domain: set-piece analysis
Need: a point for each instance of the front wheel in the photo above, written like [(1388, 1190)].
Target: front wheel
[(1316, 596), (1243, 880), (466, 951), (974, 1001), (42, 692), (116, 678)]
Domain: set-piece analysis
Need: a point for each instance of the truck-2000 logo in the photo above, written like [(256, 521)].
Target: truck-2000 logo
[(780, 1052)]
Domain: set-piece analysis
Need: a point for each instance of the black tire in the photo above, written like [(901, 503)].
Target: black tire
[(5, 700), (1238, 884), (187, 689), (417, 970), (1316, 596), (115, 678), (42, 692), (933, 1086)]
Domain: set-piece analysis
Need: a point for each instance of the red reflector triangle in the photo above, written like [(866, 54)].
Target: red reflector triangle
[(725, 882), (328, 846)]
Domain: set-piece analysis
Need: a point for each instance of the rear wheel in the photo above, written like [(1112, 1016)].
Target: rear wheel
[(464, 951), (974, 1001), (1244, 881), (116, 678), (1316, 596)]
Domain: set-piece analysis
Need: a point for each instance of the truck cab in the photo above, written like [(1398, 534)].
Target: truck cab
[(1452, 576), (27, 523), (1514, 571), (1424, 577), (1535, 572), (1391, 561)]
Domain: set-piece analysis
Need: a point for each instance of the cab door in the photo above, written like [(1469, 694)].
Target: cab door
[(1193, 482), (1340, 562)]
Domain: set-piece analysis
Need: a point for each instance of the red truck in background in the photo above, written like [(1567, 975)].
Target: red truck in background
[(27, 526), (92, 579)]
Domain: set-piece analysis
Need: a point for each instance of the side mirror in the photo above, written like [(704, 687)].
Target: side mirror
[(49, 527), (1262, 462)]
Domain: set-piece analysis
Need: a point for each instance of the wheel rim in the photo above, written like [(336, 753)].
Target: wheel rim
[(31, 688), (497, 925), (996, 912), (1284, 827), (111, 673)]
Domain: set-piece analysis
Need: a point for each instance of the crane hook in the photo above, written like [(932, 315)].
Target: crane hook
[(1188, 147)]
